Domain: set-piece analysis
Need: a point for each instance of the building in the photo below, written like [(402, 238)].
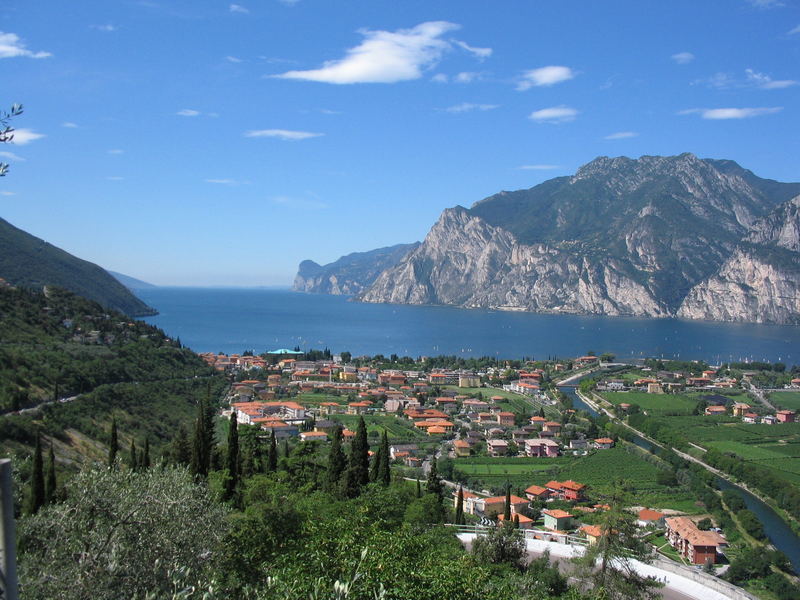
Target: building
[(716, 411), (505, 418), (604, 443), (469, 381), (740, 408), (650, 517), (524, 522), (566, 490), (697, 546), (551, 426), (537, 492), (557, 520), (461, 448), (785, 416), (314, 436), (497, 447), (541, 447)]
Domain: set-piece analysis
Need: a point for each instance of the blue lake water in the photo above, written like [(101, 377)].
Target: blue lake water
[(233, 320)]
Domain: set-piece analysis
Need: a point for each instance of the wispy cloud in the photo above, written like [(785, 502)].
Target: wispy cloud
[(116, 151), (731, 113), (765, 82), (469, 107), (11, 46), (298, 203), (107, 28), (683, 58), (233, 59), (538, 167), (766, 3), (114, 178), (238, 8), (384, 56), (11, 156), (223, 181), (795, 30), (479, 53), (467, 77), (188, 112), (69, 125), (554, 114), (621, 135), (289, 2), (7, 193), (545, 77), (26, 136), (282, 134), (440, 78)]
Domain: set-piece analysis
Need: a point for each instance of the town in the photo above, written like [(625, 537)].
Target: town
[(515, 441)]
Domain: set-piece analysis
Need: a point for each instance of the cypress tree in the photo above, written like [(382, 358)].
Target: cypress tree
[(272, 453), (419, 490), (384, 472), (181, 451), (37, 499), (337, 462), (359, 454), (132, 462), (516, 521), (50, 483), (541, 411), (375, 466), (199, 461), (232, 481), (507, 507), (145, 460), (434, 484), (113, 446), (460, 507), (286, 450), (208, 428)]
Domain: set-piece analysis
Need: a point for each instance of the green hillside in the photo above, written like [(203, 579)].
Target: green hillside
[(28, 261)]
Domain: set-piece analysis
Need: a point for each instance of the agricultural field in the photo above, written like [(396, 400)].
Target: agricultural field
[(598, 470), (396, 429), (787, 400), (312, 399), (654, 404)]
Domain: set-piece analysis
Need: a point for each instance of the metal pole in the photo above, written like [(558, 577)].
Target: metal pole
[(8, 538)]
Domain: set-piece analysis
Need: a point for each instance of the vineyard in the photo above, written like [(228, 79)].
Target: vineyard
[(787, 400), (654, 404)]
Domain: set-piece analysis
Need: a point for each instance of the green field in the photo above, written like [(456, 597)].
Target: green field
[(312, 399), (654, 404), (397, 429), (787, 400)]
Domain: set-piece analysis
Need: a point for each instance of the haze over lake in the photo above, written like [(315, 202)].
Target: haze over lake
[(233, 320)]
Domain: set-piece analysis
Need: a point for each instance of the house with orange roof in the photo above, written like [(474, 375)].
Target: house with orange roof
[(740, 408), (538, 421), (592, 532), (505, 418), (552, 426), (486, 418), (496, 505), (557, 519), (695, 545), (536, 492), (497, 447), (785, 416), (604, 443), (314, 436), (461, 448), (566, 490), (524, 521), (650, 517), (716, 411)]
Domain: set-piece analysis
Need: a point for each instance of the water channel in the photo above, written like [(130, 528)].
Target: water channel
[(775, 528)]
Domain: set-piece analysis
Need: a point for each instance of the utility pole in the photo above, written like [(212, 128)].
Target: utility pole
[(8, 538)]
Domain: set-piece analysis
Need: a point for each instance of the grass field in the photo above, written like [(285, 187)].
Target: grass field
[(311, 399), (396, 429), (655, 404), (788, 400)]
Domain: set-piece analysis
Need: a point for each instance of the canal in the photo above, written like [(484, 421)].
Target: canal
[(779, 533)]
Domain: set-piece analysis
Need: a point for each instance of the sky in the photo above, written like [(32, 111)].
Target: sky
[(202, 142)]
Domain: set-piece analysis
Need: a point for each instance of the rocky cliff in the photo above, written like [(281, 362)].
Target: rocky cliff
[(350, 274), (657, 236)]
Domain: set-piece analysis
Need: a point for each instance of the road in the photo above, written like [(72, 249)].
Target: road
[(760, 396)]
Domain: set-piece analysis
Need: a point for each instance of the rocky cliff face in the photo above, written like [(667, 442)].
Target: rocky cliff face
[(350, 274), (657, 236)]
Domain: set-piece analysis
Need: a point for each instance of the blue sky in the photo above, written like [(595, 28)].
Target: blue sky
[(216, 143)]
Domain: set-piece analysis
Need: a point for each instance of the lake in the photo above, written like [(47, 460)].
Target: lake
[(232, 320)]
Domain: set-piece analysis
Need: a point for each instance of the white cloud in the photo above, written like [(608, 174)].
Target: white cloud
[(69, 125), (233, 59), (238, 8), (621, 135), (11, 156), (188, 112), (538, 167), (765, 82), (289, 2), (26, 136), (108, 27), (467, 77), (545, 76), (683, 58), (222, 181), (116, 151), (554, 114), (439, 78), (468, 107), (795, 30), (282, 134), (384, 56), (479, 53), (12, 46), (731, 113), (7, 193), (301, 203)]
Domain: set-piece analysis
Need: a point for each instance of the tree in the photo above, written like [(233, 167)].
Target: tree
[(50, 482), (501, 545), (113, 446), (507, 504), (37, 497), (272, 453), (434, 483), (200, 448), (6, 131), (608, 563), (144, 461), (384, 471), (181, 450), (460, 506), (359, 460), (232, 479), (132, 462), (337, 463)]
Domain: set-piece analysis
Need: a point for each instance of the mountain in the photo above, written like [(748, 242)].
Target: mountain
[(131, 282), (30, 262), (657, 236), (350, 274)]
